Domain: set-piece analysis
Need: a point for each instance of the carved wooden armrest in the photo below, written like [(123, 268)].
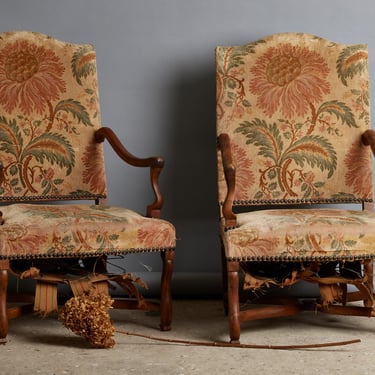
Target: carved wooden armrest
[(368, 139), (155, 164), (230, 178)]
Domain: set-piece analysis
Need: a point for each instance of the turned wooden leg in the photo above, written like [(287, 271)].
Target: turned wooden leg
[(234, 302), (4, 266), (166, 291)]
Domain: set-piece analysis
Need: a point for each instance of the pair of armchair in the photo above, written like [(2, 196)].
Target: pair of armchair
[(293, 138)]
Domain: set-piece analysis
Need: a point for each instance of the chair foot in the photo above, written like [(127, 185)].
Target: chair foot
[(166, 327), (235, 342)]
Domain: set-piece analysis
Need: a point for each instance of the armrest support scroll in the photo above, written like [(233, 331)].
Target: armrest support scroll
[(230, 178), (368, 139), (155, 164)]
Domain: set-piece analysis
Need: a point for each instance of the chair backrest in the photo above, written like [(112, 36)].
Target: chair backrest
[(295, 106), (49, 111)]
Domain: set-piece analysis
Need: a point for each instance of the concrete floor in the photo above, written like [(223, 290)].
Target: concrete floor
[(44, 346)]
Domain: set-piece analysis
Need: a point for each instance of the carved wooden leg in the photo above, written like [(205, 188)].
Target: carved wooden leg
[(166, 291), (224, 278), (4, 266), (369, 272), (234, 302)]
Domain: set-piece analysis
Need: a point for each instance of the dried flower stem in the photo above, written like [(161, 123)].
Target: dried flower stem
[(247, 346)]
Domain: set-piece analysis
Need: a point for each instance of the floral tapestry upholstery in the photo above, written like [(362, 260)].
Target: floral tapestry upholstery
[(79, 230), (49, 112), (295, 107), (303, 234)]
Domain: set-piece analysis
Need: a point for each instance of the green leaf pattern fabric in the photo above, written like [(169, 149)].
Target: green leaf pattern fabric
[(49, 112), (295, 106)]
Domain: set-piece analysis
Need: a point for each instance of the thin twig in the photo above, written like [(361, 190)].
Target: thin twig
[(248, 346)]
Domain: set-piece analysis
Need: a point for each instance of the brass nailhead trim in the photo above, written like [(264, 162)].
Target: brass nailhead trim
[(85, 254), (301, 259), (52, 198), (297, 201)]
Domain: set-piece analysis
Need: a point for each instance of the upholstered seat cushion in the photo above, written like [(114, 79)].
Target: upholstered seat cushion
[(79, 230), (309, 234)]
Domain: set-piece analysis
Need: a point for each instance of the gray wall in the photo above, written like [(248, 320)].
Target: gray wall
[(157, 88)]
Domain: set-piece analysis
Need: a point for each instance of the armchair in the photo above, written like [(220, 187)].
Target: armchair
[(295, 182), (51, 152)]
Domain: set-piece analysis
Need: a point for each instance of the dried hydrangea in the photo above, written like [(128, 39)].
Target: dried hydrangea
[(87, 315)]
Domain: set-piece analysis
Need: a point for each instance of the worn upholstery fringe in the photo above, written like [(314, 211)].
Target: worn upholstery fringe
[(81, 286), (45, 298)]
